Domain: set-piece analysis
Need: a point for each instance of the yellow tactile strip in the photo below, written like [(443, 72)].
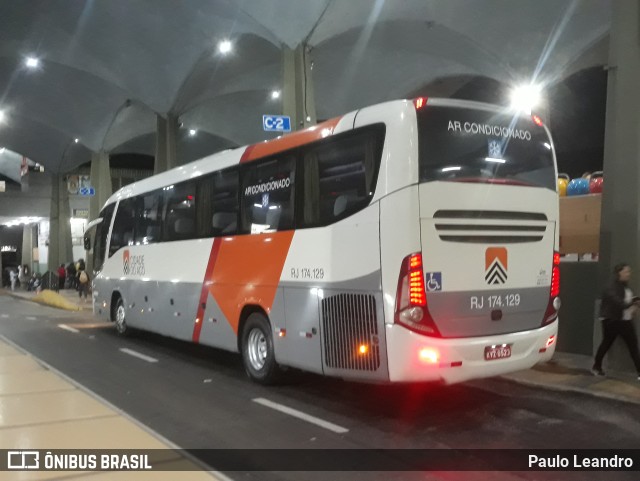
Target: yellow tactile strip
[(41, 410)]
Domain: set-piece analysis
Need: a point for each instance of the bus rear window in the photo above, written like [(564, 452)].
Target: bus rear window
[(465, 145)]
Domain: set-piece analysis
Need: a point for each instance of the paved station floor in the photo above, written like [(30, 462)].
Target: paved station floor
[(40, 409)]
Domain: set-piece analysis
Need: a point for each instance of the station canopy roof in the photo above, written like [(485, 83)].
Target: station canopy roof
[(107, 67)]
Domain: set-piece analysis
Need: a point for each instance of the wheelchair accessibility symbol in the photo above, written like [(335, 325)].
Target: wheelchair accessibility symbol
[(434, 281)]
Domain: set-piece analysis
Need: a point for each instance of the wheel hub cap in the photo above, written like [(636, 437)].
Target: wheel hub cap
[(257, 349)]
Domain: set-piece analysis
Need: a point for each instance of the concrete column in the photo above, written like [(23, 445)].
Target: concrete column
[(621, 197), (27, 246), (60, 249), (166, 143), (101, 182), (24, 183), (160, 163), (297, 93), (172, 141)]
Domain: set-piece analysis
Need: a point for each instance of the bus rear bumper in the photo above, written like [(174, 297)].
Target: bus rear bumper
[(413, 357)]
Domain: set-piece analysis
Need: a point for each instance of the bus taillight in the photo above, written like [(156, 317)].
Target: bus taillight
[(555, 275), (554, 295), (411, 298)]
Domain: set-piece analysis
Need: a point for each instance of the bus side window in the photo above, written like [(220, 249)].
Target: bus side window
[(100, 241), (218, 203), (339, 177), (268, 196), (123, 225), (149, 218), (180, 212)]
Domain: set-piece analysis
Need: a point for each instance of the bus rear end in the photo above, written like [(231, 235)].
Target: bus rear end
[(479, 297)]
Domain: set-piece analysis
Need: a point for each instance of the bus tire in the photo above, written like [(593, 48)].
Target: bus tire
[(119, 318), (258, 352)]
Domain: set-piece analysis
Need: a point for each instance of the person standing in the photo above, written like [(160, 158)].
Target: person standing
[(21, 277), (616, 313), (13, 276), (71, 275), (26, 276), (62, 272)]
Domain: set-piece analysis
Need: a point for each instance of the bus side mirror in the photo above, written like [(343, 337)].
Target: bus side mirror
[(87, 242)]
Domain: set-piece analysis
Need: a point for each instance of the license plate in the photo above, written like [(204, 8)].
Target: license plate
[(491, 353)]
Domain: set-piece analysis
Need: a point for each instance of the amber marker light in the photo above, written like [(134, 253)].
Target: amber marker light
[(428, 355)]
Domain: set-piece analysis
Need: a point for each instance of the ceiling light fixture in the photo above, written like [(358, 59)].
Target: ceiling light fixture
[(224, 47), (32, 62), (192, 132), (275, 94)]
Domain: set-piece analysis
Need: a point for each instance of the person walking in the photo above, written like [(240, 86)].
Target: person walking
[(616, 313), (83, 284)]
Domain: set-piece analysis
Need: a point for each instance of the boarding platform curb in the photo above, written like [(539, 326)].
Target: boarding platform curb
[(524, 378), (47, 300)]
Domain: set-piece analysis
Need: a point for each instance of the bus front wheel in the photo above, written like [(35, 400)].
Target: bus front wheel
[(119, 318), (257, 350)]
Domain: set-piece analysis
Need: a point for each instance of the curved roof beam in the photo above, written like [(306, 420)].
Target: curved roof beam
[(90, 37), (291, 22), (256, 64), (78, 104), (54, 149), (145, 144), (412, 56), (132, 120), (491, 22), (595, 54), (230, 116), (436, 40)]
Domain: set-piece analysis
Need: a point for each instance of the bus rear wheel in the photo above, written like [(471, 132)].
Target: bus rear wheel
[(258, 352), (119, 318)]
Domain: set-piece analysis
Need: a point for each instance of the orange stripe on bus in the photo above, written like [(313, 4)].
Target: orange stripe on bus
[(248, 271), (246, 155), (290, 141), (197, 327)]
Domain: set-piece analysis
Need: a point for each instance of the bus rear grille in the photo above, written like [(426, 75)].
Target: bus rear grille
[(485, 226), (491, 239), (489, 214), (350, 332)]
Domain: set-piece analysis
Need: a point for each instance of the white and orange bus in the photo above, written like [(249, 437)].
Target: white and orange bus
[(407, 241)]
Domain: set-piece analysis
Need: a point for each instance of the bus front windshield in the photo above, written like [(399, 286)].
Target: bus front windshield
[(465, 145)]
